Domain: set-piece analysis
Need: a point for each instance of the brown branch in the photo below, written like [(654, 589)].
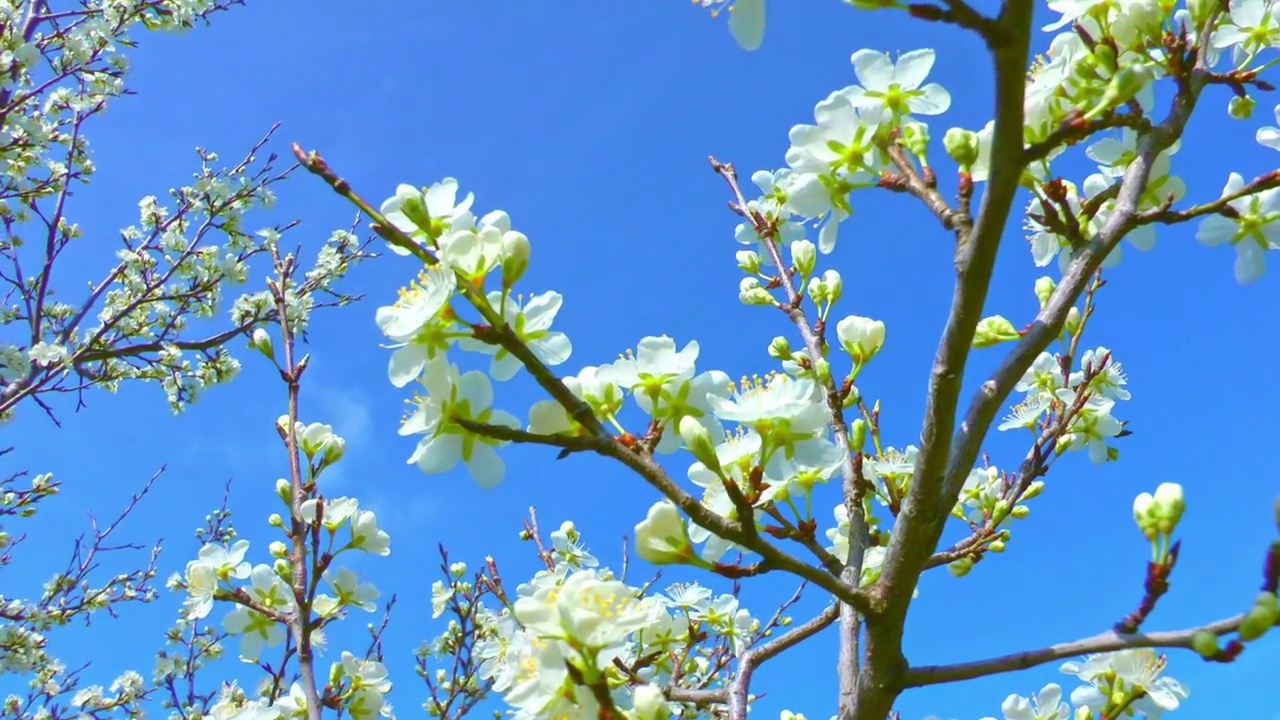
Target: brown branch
[(1103, 642)]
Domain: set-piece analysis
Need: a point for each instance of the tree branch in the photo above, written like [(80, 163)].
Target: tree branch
[(1103, 642)]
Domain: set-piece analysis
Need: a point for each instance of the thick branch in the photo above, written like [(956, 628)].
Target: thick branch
[(920, 523)]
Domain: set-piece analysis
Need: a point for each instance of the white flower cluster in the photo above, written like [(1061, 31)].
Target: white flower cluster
[(575, 636), (266, 603)]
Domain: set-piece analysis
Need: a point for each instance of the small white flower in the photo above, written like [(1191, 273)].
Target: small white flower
[(896, 87)]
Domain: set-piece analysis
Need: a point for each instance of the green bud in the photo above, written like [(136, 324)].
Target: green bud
[(1105, 55), (275, 521), (834, 283), (805, 255), (751, 293), (284, 491), (278, 549), (780, 348), (698, 440), (1267, 601), (962, 146), (1083, 713), (1257, 621), (993, 331), (822, 371), (1020, 511), (961, 567), (1033, 490), (1169, 505), (1144, 506), (915, 138), (282, 568), (1124, 85), (1044, 290), (748, 261), (1205, 643), (1073, 321), (1001, 510), (515, 256), (261, 341), (996, 546), (1241, 108), (857, 435)]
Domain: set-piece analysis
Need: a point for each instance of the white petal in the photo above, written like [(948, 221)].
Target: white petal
[(1251, 262), (935, 101), (1215, 230), (553, 348), (406, 364), (474, 387), (746, 23), (1268, 137), (437, 454), (541, 310), (912, 68), (874, 69), (485, 466)]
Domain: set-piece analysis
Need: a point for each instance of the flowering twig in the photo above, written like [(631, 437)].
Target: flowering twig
[(851, 480), (1102, 642)]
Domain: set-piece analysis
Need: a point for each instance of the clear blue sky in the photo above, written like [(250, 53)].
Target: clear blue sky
[(590, 124)]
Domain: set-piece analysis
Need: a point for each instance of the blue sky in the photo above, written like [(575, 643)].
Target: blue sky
[(591, 127)]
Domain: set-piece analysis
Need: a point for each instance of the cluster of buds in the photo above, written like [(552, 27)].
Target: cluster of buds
[(1159, 514)]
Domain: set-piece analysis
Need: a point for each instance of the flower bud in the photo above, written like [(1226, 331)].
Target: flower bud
[(1001, 510), (458, 569), (751, 293), (1144, 514), (515, 256), (996, 546), (861, 337), (1073, 321), (915, 138), (993, 331), (1168, 506), (961, 567), (1205, 643), (1105, 55), (281, 567), (1020, 511), (278, 549), (1241, 108), (697, 439), (1257, 621), (275, 521), (817, 290), (780, 348), (284, 491), (650, 704), (1267, 601), (857, 435), (822, 371), (1044, 290), (1033, 490), (748, 261), (1083, 713), (962, 146), (1124, 85), (805, 255), (261, 341), (834, 283), (662, 537)]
